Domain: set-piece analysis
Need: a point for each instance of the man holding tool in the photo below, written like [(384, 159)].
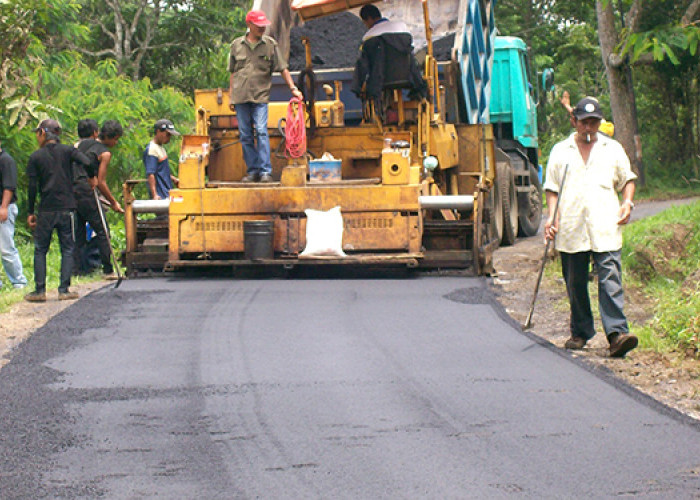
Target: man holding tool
[(589, 223), (83, 181)]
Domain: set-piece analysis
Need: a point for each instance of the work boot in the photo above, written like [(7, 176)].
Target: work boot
[(575, 343), (621, 344), (265, 178), (35, 297), (67, 295), (251, 178)]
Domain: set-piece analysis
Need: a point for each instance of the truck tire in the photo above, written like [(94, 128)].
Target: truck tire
[(496, 206), (530, 207), (509, 202)]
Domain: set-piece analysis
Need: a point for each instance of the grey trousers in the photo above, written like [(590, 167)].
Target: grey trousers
[(575, 268)]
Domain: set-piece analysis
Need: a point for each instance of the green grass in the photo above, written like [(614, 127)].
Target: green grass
[(659, 188), (25, 245), (661, 257)]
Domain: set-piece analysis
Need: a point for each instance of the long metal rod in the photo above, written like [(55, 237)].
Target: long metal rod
[(528, 321), (150, 206), (447, 201), (109, 239)]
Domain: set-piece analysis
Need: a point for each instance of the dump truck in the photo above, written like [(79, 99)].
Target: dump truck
[(429, 182)]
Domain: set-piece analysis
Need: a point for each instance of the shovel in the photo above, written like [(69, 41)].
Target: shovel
[(109, 240), (528, 321)]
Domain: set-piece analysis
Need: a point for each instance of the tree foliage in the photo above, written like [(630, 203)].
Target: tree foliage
[(72, 90), (660, 38), (155, 38)]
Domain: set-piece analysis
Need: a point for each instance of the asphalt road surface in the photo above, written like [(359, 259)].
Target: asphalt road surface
[(383, 388)]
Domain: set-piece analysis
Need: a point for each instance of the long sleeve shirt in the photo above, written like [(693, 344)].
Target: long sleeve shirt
[(50, 172)]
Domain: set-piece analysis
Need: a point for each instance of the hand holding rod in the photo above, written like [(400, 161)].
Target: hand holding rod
[(109, 240), (528, 321)]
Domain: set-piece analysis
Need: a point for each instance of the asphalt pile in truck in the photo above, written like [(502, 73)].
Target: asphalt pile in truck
[(334, 39)]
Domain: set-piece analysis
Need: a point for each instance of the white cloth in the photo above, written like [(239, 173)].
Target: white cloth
[(385, 26), (589, 206)]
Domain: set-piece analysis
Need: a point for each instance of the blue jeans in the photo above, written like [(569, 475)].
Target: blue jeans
[(10, 256), (575, 268), (257, 159)]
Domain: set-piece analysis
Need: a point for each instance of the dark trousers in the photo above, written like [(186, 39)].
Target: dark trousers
[(87, 211), (575, 268), (46, 223)]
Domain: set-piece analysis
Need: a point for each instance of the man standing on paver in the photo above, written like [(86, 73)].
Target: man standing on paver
[(590, 223), (8, 215), (252, 60), (50, 172)]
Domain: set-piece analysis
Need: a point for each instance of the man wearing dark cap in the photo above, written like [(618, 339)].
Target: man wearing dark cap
[(252, 60), (50, 172), (8, 215), (589, 224), (155, 159)]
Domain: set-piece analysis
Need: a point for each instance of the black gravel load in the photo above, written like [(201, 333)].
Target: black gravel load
[(335, 40)]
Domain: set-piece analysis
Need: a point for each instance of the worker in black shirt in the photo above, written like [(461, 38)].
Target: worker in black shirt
[(84, 179), (50, 172)]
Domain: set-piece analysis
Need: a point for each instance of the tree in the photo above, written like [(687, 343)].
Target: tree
[(136, 33), (638, 33), (24, 27)]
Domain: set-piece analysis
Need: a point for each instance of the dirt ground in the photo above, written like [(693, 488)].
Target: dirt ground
[(23, 318), (673, 379)]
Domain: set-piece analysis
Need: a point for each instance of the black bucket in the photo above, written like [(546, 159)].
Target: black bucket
[(258, 239)]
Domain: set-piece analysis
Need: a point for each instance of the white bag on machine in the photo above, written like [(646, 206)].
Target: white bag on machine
[(324, 233)]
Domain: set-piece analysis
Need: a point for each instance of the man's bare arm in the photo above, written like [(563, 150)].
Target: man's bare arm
[(105, 158)]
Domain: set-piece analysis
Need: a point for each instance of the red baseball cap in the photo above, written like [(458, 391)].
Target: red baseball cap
[(257, 17)]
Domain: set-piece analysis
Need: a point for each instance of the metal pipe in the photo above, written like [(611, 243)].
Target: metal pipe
[(150, 206), (447, 202)]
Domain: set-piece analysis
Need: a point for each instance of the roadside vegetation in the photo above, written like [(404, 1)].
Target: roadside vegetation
[(661, 258)]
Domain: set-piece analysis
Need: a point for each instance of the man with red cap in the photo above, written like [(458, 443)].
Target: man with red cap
[(252, 60)]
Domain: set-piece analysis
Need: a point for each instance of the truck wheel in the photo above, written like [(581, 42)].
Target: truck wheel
[(496, 211), (530, 207), (509, 202)]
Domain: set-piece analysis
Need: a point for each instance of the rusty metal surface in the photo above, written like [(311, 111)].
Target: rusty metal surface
[(407, 259)]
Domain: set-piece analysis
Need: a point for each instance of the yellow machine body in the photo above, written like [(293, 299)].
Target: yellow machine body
[(413, 191)]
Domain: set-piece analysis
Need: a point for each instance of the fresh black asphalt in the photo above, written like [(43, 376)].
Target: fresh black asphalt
[(322, 388)]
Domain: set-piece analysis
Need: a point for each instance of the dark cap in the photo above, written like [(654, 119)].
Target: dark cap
[(50, 126), (166, 125), (588, 107)]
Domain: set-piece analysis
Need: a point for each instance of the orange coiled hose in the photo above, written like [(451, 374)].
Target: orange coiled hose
[(295, 131)]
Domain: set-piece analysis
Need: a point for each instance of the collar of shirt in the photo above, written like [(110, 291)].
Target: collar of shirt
[(251, 44)]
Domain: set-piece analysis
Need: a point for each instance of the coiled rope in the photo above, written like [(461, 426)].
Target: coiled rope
[(295, 131)]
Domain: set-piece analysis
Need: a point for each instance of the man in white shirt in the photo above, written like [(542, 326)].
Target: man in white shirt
[(589, 223)]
